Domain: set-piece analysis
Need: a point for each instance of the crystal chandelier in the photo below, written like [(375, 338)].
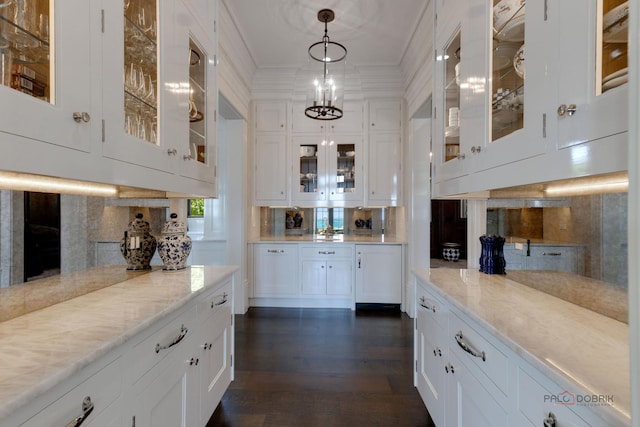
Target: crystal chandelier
[(327, 61)]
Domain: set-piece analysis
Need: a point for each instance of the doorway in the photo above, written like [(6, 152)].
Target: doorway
[(448, 225), (41, 235)]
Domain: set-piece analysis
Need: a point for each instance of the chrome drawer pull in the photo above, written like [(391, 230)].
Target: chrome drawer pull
[(87, 408), (550, 421), (275, 251), (552, 253), (220, 302), (327, 252), (176, 340), (423, 303), (469, 348)]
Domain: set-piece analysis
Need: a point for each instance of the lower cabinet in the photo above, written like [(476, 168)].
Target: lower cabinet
[(170, 374), (379, 274), (275, 270), (467, 377), (327, 271)]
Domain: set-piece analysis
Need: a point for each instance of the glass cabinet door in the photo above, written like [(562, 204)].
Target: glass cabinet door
[(45, 74), (508, 67), (345, 169), (451, 59), (141, 69), (613, 48), (309, 171), (197, 103)]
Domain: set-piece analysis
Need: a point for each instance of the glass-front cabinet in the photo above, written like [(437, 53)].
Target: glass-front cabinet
[(45, 74), (327, 169)]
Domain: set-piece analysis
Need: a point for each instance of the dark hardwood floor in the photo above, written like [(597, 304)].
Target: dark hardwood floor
[(322, 367)]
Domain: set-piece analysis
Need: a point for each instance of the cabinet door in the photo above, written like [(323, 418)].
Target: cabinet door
[(309, 172), (197, 155), (384, 169), (379, 274), (314, 277), (340, 277), (385, 116), (352, 121), (270, 168), (588, 57), (46, 72), (300, 123), (271, 117), (468, 403), (430, 358), (345, 171), (144, 122), (276, 270), (215, 359)]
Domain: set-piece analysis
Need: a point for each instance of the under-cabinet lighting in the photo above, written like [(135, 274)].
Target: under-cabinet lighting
[(613, 184), (48, 184)]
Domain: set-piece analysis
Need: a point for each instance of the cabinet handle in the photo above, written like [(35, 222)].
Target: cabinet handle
[(207, 346), (449, 368), (550, 420), (569, 110), (469, 348), (186, 157), (461, 156), (176, 340), (552, 253), (359, 260), (222, 301), (172, 152), (275, 251), (81, 116), (326, 252), (437, 352), (87, 408), (193, 361), (475, 149), (423, 303)]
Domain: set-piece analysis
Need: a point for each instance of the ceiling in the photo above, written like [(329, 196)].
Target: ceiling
[(278, 33)]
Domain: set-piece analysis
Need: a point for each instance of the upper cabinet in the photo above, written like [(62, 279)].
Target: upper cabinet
[(46, 72), (159, 108), (119, 86), (270, 154), (518, 83), (384, 153)]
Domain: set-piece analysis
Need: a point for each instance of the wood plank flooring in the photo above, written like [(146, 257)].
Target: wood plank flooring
[(322, 367)]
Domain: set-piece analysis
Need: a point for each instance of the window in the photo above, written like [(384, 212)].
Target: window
[(195, 208), (330, 216)]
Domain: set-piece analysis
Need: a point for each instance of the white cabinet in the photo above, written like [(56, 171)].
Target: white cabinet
[(150, 120), (384, 164), (327, 169), (327, 158), (431, 352), (327, 271), (275, 270), (214, 350), (270, 155), (379, 274), (521, 88), (55, 74)]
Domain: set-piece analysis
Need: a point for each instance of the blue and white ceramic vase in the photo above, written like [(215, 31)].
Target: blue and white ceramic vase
[(138, 245), (174, 246)]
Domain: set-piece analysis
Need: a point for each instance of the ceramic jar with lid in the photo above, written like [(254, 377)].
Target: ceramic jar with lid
[(174, 246), (138, 245)]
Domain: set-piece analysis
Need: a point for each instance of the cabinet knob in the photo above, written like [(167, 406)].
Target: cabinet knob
[(461, 156), (475, 149), (186, 157), (373, 124), (81, 116), (194, 361), (172, 152), (568, 110), (449, 368)]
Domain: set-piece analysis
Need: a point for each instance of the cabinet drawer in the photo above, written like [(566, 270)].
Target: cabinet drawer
[(479, 351), (535, 402), (162, 342), (328, 251), (214, 301), (102, 389), (435, 310)]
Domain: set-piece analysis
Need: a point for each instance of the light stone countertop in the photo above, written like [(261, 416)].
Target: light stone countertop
[(42, 348), (337, 238), (579, 349)]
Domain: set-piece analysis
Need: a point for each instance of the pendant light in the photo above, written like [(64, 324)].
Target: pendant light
[(327, 60)]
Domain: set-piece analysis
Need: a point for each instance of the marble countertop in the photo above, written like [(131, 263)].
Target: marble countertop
[(581, 350), (337, 238), (40, 349)]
